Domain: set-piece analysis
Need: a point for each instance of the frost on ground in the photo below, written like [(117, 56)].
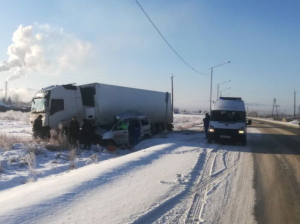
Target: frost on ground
[(23, 160), (185, 122), (177, 179), (15, 141), (15, 116)]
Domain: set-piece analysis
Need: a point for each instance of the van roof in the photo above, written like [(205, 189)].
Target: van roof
[(229, 103)]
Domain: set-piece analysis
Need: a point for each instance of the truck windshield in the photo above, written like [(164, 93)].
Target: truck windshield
[(38, 105), (228, 116)]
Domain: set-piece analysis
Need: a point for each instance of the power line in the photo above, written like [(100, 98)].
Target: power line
[(168, 42)]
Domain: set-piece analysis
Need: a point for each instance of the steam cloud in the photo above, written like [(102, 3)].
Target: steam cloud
[(44, 50)]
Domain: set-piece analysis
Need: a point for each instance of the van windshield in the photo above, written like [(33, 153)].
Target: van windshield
[(228, 116)]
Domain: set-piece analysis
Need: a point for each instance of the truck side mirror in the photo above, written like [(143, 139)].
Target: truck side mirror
[(249, 122)]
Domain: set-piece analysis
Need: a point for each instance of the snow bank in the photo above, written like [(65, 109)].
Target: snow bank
[(294, 122), (185, 122), (289, 124)]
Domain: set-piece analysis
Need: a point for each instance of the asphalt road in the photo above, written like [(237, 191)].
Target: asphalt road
[(276, 153)]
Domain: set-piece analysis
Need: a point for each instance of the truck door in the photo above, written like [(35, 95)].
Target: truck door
[(63, 106), (120, 133)]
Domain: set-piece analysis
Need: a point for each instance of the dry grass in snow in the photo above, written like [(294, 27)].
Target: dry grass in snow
[(184, 122), (15, 116), (8, 142)]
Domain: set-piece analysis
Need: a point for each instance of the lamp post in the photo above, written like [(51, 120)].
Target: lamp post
[(219, 85), (211, 78), (223, 91)]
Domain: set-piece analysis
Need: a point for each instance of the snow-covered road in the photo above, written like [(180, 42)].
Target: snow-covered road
[(180, 179)]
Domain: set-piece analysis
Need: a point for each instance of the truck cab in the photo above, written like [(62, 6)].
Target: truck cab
[(57, 105), (228, 120)]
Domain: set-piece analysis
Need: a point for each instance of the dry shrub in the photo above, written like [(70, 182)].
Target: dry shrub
[(93, 159), (31, 162), (58, 141), (8, 141), (38, 149), (16, 116), (72, 158)]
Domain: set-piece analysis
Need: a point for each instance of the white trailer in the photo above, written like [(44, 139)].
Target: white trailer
[(99, 103)]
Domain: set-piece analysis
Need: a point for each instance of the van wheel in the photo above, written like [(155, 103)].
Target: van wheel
[(209, 140), (244, 142)]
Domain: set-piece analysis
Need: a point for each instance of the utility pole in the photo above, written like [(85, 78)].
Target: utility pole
[(172, 93), (294, 103), (275, 107), (211, 78)]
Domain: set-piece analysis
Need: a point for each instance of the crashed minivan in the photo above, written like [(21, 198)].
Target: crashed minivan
[(122, 133), (228, 120)]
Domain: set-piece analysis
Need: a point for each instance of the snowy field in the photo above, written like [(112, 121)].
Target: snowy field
[(14, 162), (191, 122), (177, 179)]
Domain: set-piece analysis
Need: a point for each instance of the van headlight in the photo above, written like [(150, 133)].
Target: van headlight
[(242, 131), (211, 128)]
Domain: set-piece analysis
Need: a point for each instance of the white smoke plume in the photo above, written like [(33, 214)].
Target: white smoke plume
[(43, 49)]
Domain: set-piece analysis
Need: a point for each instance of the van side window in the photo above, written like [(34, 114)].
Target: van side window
[(145, 121), (57, 105)]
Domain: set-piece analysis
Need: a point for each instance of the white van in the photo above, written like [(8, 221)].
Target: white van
[(228, 120)]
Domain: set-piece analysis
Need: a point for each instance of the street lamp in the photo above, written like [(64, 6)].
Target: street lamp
[(218, 87), (211, 77), (223, 91), (227, 94)]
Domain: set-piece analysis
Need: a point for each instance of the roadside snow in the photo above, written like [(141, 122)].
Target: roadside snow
[(177, 179), (184, 122), (289, 124)]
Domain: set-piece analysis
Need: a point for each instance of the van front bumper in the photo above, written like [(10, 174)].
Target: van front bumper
[(233, 134)]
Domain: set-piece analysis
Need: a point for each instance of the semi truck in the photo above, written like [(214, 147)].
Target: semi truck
[(99, 103)]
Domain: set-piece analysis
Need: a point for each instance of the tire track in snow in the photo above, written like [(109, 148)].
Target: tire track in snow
[(158, 211), (207, 183), (176, 209), (195, 212)]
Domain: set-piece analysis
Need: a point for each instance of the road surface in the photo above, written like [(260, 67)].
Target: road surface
[(276, 153)]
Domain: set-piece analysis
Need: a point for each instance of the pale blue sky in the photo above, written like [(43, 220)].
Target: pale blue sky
[(261, 38)]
